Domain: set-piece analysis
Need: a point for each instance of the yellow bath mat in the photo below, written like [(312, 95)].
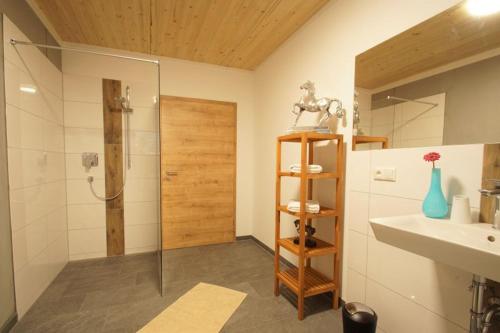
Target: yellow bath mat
[(205, 308)]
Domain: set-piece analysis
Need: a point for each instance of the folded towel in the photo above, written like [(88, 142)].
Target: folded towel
[(312, 168), (296, 203), (312, 206)]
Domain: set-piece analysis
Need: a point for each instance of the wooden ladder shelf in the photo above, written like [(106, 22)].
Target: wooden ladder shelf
[(304, 280)]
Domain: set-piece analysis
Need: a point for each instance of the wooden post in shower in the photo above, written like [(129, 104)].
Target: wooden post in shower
[(113, 164)]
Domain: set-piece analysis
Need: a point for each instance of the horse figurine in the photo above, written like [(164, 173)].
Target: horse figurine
[(309, 102)]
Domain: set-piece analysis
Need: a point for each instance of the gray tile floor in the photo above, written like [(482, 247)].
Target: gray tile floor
[(121, 294)]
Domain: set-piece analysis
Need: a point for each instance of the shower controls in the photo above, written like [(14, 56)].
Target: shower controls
[(89, 160)]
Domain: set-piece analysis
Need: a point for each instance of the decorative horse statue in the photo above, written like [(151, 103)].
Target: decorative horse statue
[(309, 102)]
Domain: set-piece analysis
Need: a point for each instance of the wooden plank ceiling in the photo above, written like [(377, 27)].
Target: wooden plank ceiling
[(449, 36), (233, 33)]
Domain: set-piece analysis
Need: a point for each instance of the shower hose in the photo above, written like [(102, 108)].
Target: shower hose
[(90, 179)]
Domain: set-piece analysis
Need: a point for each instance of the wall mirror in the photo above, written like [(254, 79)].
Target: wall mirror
[(437, 83)]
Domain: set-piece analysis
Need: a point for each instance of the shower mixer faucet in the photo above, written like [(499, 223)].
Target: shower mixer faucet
[(89, 160)]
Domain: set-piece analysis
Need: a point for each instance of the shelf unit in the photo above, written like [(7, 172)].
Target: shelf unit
[(304, 280), (360, 139)]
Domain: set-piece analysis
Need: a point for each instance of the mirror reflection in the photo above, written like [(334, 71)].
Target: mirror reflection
[(437, 83)]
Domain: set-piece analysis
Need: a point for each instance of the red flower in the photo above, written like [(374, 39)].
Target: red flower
[(432, 157)]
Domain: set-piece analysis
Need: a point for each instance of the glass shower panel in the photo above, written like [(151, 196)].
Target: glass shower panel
[(124, 96), (7, 298), (101, 120), (7, 288), (142, 192)]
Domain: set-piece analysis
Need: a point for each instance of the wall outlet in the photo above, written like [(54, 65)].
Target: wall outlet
[(385, 174)]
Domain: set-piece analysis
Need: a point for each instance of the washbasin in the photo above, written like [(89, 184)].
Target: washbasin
[(471, 247)]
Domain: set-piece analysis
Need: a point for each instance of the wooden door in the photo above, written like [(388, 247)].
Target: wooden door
[(198, 165)]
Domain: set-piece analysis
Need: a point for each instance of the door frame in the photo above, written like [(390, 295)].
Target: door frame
[(234, 106)]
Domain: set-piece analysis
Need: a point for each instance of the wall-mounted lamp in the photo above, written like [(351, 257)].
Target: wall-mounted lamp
[(28, 88), (482, 7)]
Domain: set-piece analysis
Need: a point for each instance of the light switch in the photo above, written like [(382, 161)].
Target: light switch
[(385, 174)]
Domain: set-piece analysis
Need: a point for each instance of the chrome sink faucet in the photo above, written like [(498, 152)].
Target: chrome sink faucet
[(495, 195)]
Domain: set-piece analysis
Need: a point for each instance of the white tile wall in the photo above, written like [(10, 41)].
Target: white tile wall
[(141, 189), (141, 192), (356, 251), (410, 293), (141, 212), (87, 243), (83, 114), (359, 171), (79, 191), (358, 211), (143, 118), (143, 166), (84, 133), (461, 168), (35, 139), (407, 274), (86, 216), (141, 237), (355, 286), (399, 314), (144, 137), (143, 142), (79, 140), (24, 129), (79, 88), (410, 124)]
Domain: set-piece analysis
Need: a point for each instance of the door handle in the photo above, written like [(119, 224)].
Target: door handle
[(171, 173)]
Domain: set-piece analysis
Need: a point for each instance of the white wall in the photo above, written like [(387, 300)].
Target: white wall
[(416, 287), (83, 119), (324, 51), (35, 139)]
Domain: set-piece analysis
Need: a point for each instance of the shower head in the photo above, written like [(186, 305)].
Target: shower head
[(125, 100)]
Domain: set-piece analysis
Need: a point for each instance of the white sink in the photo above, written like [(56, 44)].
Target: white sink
[(471, 247)]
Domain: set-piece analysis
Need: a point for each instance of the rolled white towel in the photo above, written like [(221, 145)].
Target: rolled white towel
[(311, 168), (312, 206)]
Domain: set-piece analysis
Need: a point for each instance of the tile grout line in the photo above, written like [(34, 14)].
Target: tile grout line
[(416, 303), (24, 71)]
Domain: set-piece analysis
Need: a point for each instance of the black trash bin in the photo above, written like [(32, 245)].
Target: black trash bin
[(358, 318)]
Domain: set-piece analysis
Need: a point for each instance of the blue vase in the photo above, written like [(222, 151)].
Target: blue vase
[(435, 204)]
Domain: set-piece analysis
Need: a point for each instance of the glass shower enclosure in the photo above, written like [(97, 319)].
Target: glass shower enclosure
[(111, 125)]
